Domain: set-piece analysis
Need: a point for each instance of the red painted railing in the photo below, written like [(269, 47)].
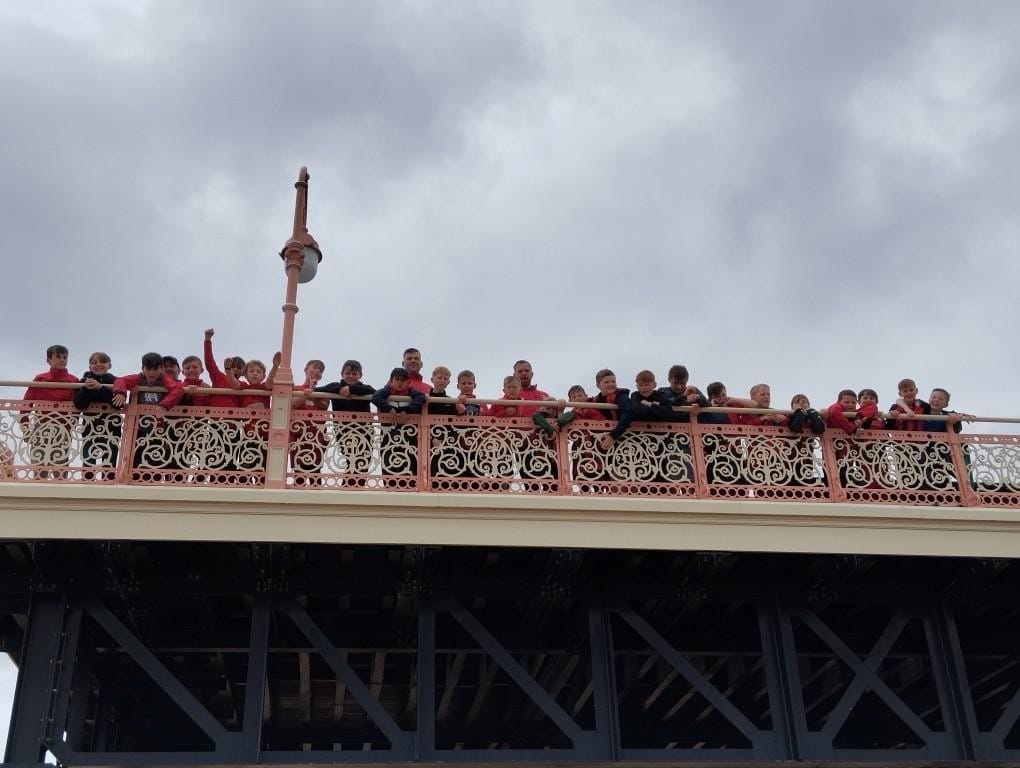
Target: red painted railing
[(210, 447)]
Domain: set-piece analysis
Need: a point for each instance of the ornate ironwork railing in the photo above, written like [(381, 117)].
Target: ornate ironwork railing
[(201, 446)]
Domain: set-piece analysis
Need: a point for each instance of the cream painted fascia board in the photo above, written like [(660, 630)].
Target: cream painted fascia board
[(53, 511)]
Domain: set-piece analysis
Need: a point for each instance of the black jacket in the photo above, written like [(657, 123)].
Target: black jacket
[(348, 406), (381, 397), (83, 398), (623, 414)]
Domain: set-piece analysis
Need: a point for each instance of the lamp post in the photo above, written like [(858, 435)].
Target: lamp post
[(301, 257)]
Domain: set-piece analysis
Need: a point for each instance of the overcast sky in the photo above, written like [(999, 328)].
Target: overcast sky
[(813, 194)]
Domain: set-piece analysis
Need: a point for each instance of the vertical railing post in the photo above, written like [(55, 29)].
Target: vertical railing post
[(128, 438), (836, 490), (563, 460), (698, 455), (279, 435), (968, 496), (424, 463)]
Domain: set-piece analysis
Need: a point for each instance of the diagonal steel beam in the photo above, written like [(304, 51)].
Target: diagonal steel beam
[(398, 739), (684, 667), (866, 677), (162, 676), (513, 668)]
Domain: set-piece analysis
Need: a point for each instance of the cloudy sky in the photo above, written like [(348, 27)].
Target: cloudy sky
[(814, 194)]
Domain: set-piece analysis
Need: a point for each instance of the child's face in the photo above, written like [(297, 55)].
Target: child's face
[(255, 374), (645, 387), (512, 389), (848, 403), (938, 400), (350, 375), (313, 372), (762, 396), (800, 403), (411, 362), (172, 370), (577, 395), (868, 399), (152, 375), (440, 381), (193, 369), (677, 385), (909, 393), (398, 385), (721, 397), (466, 386), (98, 368), (607, 385), (237, 369), (57, 361)]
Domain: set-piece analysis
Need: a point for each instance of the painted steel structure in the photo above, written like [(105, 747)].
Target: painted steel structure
[(166, 653)]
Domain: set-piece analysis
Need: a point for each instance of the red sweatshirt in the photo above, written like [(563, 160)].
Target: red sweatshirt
[(415, 381), (835, 418), (868, 414), (247, 400), (167, 399), (197, 399), (531, 393), (52, 395), (500, 411), (219, 380)]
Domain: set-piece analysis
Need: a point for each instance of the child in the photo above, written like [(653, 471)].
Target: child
[(350, 386), (937, 402), (907, 403), (101, 432), (171, 367), (440, 381), (867, 412), (511, 391), (761, 395), (719, 462), (717, 398), (576, 394), (466, 391), (440, 434), (226, 379), (192, 368), (398, 386), (800, 453), (835, 416), (939, 473), (651, 404), (49, 434), (148, 450), (308, 439), (255, 378), (623, 415), (398, 449), (846, 402), (804, 416), (679, 392)]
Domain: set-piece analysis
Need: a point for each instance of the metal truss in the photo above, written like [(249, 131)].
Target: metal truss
[(694, 669)]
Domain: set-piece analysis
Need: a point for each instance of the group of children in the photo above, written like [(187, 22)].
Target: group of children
[(406, 392)]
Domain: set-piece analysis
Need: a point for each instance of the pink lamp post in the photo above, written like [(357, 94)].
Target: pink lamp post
[(301, 256)]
